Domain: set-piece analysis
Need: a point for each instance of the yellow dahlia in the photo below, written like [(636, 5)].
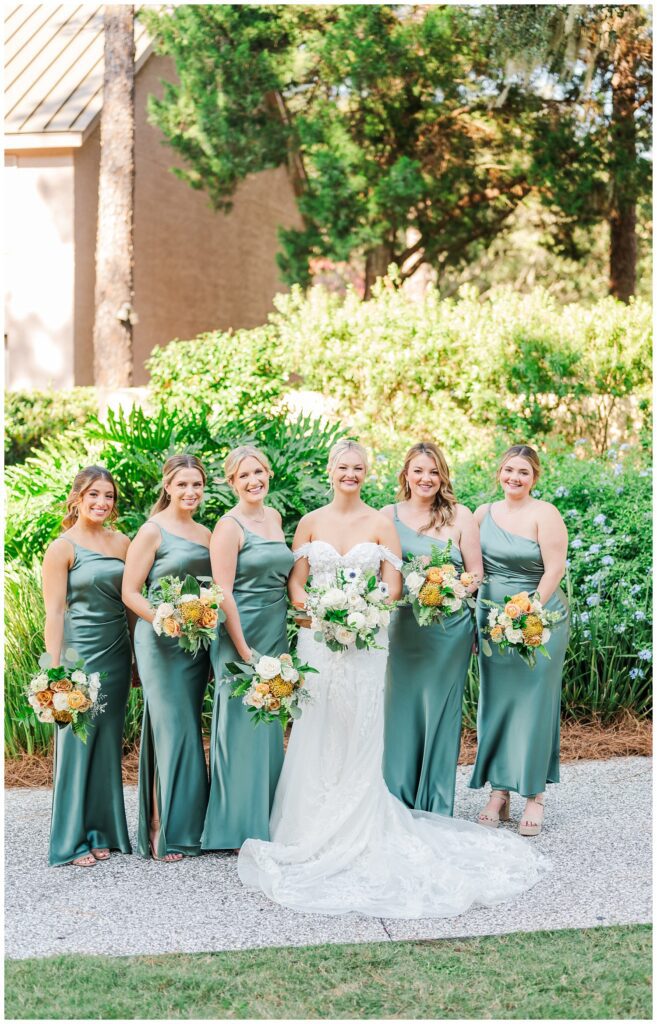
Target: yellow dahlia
[(430, 595)]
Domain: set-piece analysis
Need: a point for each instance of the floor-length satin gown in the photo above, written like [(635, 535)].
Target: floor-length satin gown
[(340, 841), (425, 680), (171, 754), (518, 717), (245, 759), (87, 799)]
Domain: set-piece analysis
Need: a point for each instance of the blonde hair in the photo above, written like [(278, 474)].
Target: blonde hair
[(443, 506), (237, 455), (346, 445), (525, 452), (169, 470), (83, 481)]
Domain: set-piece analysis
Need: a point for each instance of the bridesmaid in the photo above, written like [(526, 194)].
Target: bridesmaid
[(173, 780), (524, 543), (428, 665), (82, 573), (251, 562)]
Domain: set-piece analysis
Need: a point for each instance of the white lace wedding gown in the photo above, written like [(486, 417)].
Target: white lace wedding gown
[(340, 841)]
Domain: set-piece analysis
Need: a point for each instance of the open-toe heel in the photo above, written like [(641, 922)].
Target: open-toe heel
[(529, 826), (491, 819)]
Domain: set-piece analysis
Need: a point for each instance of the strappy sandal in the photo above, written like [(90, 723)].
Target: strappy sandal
[(86, 861), (101, 854), (169, 858), (492, 820), (527, 827)]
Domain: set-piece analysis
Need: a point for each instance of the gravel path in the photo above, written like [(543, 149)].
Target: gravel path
[(597, 834)]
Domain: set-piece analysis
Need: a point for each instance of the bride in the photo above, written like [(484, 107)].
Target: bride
[(340, 841)]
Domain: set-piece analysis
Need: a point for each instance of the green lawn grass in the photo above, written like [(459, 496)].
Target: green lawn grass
[(592, 974)]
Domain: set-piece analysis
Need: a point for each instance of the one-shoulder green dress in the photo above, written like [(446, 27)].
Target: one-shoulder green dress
[(174, 683), (87, 801), (425, 679), (518, 716), (246, 759)]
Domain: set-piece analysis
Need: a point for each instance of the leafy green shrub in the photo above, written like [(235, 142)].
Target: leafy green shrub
[(236, 374), (32, 417)]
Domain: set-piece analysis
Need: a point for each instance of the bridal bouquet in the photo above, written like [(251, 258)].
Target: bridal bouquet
[(522, 625), (188, 611), (435, 587), (66, 695), (271, 688), (349, 611)]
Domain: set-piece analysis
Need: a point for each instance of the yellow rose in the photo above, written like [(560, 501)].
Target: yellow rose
[(76, 700), (496, 633), (512, 610), (171, 627), (61, 686), (208, 618), (44, 698)]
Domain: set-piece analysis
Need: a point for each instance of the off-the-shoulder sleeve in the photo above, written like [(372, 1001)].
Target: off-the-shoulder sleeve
[(301, 552), (388, 556)]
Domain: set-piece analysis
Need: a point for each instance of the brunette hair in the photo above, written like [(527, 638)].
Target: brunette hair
[(237, 455), (443, 506), (525, 452), (169, 470), (347, 445), (83, 481)]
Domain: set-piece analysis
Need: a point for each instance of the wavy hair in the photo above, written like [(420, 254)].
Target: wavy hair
[(83, 481), (443, 506)]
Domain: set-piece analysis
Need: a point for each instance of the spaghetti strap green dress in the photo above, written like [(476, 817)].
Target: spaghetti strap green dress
[(87, 799), (425, 678), (518, 716), (171, 755), (245, 759)]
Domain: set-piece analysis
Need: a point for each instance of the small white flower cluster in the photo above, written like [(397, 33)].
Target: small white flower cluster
[(350, 610)]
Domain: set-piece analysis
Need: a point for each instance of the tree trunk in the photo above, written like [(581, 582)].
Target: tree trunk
[(377, 262), (113, 361), (622, 216)]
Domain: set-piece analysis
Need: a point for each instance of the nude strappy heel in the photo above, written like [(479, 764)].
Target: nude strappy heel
[(492, 820), (528, 827)]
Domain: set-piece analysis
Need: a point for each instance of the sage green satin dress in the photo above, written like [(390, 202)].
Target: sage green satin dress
[(174, 683), (87, 799), (518, 717), (245, 759), (425, 679)]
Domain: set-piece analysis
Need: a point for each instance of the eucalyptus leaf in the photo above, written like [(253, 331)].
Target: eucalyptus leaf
[(486, 648), (45, 661), (71, 655)]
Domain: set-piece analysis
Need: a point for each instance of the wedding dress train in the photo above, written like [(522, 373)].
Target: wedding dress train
[(340, 841)]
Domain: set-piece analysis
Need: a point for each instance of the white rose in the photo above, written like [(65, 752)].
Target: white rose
[(267, 668), (254, 700), (514, 636), (344, 636), (60, 702), (335, 598), (355, 601), (46, 715), (356, 619), (384, 617), (505, 621), (459, 590), (164, 610), (453, 604), (206, 594), (414, 582), (372, 617), (94, 679), (39, 683), (33, 701), (78, 677), (287, 672)]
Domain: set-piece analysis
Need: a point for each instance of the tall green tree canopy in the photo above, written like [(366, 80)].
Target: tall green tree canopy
[(388, 118)]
